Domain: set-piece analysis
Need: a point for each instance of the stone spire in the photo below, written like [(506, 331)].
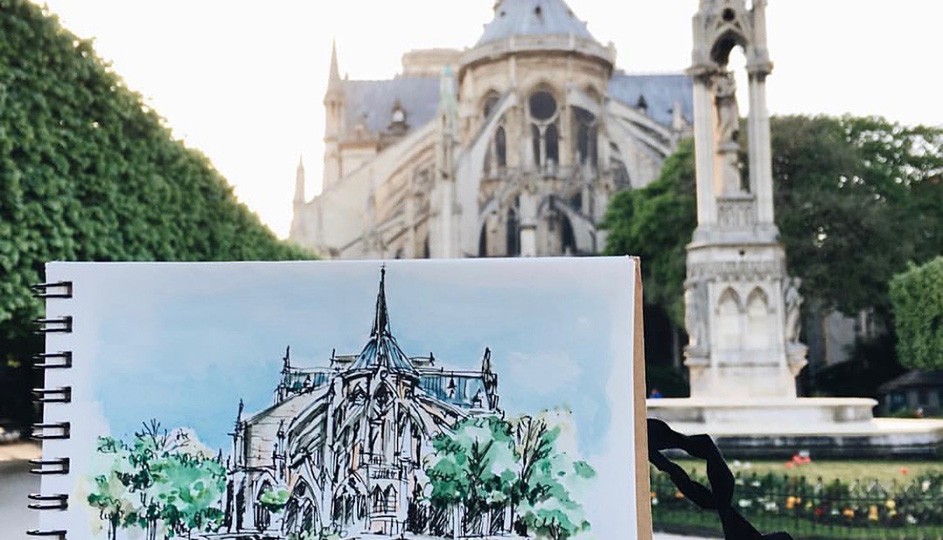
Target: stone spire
[(299, 183), (334, 74)]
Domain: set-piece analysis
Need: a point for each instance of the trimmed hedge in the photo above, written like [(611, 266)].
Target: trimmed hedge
[(917, 297)]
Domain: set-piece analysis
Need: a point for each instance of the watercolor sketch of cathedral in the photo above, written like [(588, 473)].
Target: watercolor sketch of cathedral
[(376, 442)]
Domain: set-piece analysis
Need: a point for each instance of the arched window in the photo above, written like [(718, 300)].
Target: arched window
[(537, 144), (545, 137), (513, 233), (263, 518), (500, 147), (586, 137), (552, 145), (490, 101)]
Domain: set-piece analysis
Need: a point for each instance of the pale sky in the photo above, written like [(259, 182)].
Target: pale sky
[(244, 81)]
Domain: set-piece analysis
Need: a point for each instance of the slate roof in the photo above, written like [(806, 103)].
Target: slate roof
[(533, 18), (373, 101), (661, 91)]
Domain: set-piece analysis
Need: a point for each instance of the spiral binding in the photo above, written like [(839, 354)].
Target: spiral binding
[(51, 430)]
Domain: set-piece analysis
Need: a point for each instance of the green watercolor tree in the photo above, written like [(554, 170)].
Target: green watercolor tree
[(474, 467), (488, 463), (917, 296), (162, 482), (550, 477)]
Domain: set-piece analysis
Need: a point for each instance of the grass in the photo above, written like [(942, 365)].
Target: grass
[(885, 472)]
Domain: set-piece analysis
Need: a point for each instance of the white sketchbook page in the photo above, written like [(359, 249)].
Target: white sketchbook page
[(183, 343)]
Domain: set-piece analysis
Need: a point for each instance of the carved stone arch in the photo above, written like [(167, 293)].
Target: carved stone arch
[(758, 296), (730, 295), (729, 320), (759, 323), (726, 40)]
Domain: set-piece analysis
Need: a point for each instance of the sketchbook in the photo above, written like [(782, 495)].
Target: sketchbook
[(498, 398)]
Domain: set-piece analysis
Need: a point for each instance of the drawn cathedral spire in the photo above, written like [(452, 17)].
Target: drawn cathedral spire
[(381, 320)]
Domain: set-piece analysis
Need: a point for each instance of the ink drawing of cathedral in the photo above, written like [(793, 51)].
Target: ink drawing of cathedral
[(373, 444)]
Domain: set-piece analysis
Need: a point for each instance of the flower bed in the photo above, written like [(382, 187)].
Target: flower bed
[(795, 503)]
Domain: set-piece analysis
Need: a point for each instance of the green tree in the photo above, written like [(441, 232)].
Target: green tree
[(159, 481), (855, 198), (917, 296), (473, 467), (89, 172), (109, 493), (544, 500)]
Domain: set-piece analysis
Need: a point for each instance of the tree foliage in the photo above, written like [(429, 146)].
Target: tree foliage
[(486, 463), (855, 198), (917, 297), (89, 172), (158, 481), (656, 223)]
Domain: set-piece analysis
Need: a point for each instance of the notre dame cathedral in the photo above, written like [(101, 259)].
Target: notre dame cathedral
[(512, 147), (348, 439)]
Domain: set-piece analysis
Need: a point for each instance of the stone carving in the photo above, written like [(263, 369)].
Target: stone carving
[(734, 213), (737, 271), (695, 318), (792, 301), (728, 113)]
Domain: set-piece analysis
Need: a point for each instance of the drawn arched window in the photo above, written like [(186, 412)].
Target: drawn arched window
[(389, 495), (377, 502), (728, 321), (483, 240), (263, 518), (758, 321)]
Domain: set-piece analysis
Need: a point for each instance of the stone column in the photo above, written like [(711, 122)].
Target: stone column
[(704, 149), (761, 163)]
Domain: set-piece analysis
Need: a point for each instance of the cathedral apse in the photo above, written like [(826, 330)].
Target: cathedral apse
[(381, 444)]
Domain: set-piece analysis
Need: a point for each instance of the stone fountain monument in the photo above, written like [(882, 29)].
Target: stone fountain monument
[(741, 306)]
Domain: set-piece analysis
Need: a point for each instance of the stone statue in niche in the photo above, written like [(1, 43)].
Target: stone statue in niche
[(724, 89), (695, 318), (792, 301), (728, 113)]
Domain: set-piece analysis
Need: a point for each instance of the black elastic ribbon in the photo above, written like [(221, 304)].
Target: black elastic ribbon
[(719, 496)]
